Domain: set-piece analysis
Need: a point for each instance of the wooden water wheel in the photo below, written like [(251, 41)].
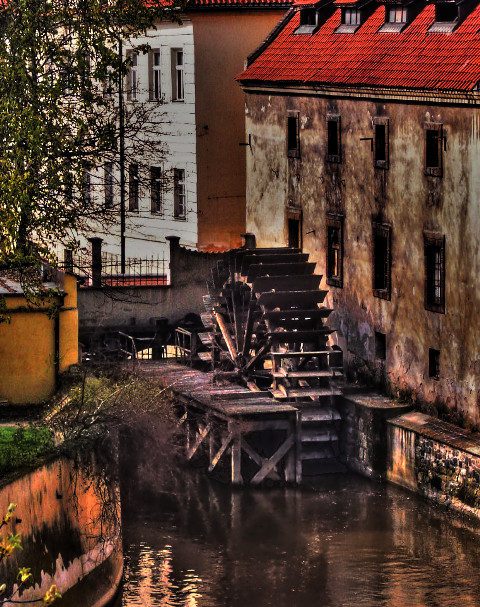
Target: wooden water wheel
[(265, 325)]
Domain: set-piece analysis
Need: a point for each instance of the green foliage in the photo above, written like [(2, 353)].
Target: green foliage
[(21, 446), (58, 60)]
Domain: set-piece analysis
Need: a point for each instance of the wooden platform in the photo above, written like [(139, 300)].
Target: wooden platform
[(219, 422)]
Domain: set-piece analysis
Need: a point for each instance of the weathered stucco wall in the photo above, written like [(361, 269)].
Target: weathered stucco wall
[(403, 197), (223, 40)]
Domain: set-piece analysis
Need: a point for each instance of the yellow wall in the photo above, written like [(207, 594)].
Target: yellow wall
[(223, 40), (27, 348)]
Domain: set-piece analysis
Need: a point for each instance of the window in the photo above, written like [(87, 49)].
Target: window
[(334, 153), (132, 84), (351, 16), (380, 346), (434, 255), (308, 16), (446, 12), (156, 190), (293, 135), (380, 143), (177, 75), (396, 14), (179, 197), (308, 21), (108, 183), (433, 363), (334, 250), (155, 76), (133, 187), (381, 260), (433, 149)]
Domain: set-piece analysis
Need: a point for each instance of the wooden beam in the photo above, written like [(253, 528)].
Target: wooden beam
[(258, 459), (237, 460), (223, 447), (272, 461), (226, 335), (198, 441)]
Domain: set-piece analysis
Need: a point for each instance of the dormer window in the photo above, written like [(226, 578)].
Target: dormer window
[(396, 14), (308, 21), (351, 16), (446, 18)]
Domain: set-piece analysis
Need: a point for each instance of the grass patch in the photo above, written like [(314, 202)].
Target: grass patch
[(21, 446)]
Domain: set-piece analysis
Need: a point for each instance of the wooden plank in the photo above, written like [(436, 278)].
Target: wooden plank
[(313, 353), (258, 459), (244, 409), (285, 373), (271, 258), (303, 282), (283, 392), (297, 337), (291, 299), (237, 460), (276, 316), (272, 461), (223, 447), (279, 269), (198, 441)]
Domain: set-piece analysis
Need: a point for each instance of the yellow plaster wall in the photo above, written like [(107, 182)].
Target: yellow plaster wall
[(27, 347), (27, 357), (223, 40)]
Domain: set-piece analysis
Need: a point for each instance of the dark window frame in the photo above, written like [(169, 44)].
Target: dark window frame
[(293, 134), (133, 188), (434, 274), (380, 340), (433, 146), (155, 92), (156, 194), (334, 249), (179, 193), (334, 135), (381, 146), (177, 58), (108, 185), (382, 231)]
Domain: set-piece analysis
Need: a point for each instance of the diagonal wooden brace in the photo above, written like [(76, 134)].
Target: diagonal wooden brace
[(198, 441), (271, 462), (258, 459), (223, 447)]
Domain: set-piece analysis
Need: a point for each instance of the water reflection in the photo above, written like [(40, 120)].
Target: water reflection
[(345, 542)]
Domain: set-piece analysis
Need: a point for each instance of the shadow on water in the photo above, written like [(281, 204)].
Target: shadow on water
[(343, 541)]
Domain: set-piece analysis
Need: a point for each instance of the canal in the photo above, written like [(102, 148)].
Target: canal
[(341, 541)]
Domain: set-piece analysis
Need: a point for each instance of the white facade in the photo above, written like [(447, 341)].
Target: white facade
[(160, 166)]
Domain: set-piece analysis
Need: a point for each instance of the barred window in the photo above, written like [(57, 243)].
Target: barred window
[(434, 258), (334, 250), (382, 260)]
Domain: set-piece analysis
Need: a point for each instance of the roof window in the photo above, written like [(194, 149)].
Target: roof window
[(308, 21), (446, 18), (396, 14), (351, 21)]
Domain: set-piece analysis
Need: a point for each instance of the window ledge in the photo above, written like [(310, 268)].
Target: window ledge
[(382, 294), (433, 171), (180, 218), (438, 308), (334, 158), (305, 29), (346, 29), (335, 282), (381, 164), (392, 28)]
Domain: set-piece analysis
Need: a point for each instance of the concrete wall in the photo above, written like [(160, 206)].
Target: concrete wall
[(223, 40), (403, 197), (116, 307)]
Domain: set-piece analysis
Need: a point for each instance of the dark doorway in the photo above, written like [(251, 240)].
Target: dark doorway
[(294, 233)]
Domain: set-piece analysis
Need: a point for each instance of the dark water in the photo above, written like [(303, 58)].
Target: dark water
[(344, 542)]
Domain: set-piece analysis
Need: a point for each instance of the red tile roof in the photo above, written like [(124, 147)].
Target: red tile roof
[(238, 3), (411, 59)]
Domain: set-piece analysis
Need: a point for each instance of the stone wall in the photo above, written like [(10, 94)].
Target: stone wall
[(363, 436), (401, 196), (435, 459)]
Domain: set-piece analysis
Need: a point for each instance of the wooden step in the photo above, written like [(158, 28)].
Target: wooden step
[(318, 435), (284, 373), (295, 337), (286, 283), (206, 338), (205, 356), (320, 415), (320, 451), (271, 258), (280, 316), (207, 320), (291, 299), (279, 269), (309, 354), (282, 392)]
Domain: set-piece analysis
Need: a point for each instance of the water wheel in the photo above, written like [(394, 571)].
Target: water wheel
[(265, 326)]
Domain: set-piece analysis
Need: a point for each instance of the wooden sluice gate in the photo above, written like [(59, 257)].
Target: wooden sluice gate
[(255, 437)]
